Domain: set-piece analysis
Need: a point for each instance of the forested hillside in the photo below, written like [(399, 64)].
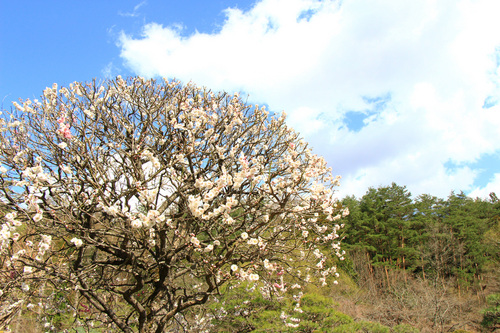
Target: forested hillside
[(423, 260), (427, 236)]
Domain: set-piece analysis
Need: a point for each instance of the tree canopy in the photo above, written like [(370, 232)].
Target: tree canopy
[(134, 200)]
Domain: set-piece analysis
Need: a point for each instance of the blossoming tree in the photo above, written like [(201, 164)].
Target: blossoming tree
[(138, 199)]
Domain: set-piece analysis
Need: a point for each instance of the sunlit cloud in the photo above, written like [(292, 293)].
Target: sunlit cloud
[(385, 90)]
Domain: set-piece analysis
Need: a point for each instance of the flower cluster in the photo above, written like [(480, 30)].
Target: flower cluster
[(43, 246), (64, 130), (8, 230)]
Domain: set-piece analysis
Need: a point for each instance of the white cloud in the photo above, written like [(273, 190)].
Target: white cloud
[(437, 60)]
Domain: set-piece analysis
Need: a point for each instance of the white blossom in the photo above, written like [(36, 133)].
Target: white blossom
[(77, 242), (195, 241), (253, 277), (37, 217), (253, 241)]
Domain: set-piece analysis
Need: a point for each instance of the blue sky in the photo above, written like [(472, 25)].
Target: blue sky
[(386, 90), (42, 42)]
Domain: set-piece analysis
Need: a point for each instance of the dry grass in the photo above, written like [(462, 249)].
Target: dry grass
[(429, 305)]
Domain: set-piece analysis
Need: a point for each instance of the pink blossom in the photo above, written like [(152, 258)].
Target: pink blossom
[(64, 131)]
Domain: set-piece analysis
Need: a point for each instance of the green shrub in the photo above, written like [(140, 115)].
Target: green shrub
[(308, 326), (242, 308), (491, 315), (337, 318)]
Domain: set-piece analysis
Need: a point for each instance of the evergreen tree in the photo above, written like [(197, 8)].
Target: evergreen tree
[(381, 224)]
